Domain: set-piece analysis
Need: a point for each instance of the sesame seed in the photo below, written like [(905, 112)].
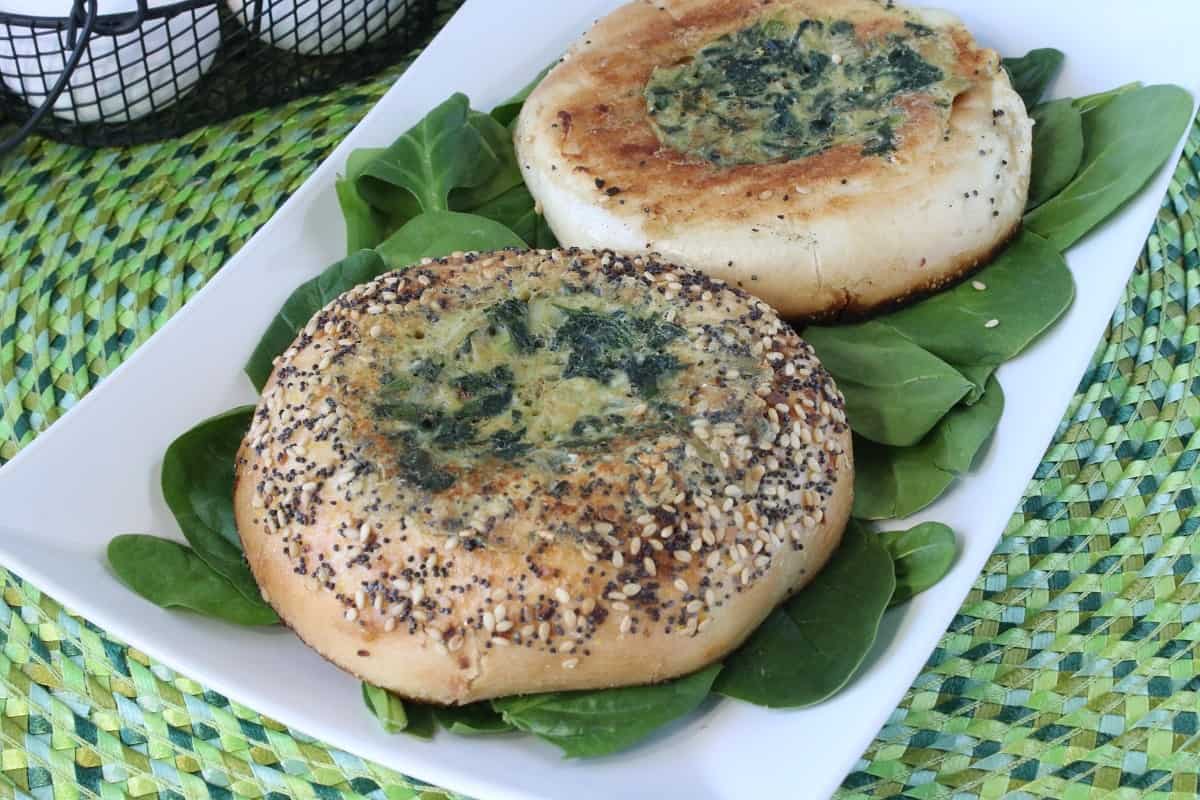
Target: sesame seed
[(360, 599), (682, 555), (695, 606), (620, 606), (351, 614), (626, 624), (649, 565), (433, 633), (570, 663), (570, 618), (618, 560), (630, 589), (418, 594), (978, 286), (500, 640), (588, 605), (489, 621), (451, 543), (991, 323), (562, 595), (566, 646), (504, 625), (500, 611), (681, 585), (635, 545)]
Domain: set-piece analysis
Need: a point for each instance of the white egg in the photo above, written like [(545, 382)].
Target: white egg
[(322, 27), (118, 78)]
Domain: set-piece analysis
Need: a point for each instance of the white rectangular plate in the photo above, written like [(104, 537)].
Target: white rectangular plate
[(95, 472)]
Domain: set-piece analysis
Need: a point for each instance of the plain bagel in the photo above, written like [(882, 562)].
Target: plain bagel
[(832, 157), (529, 471)]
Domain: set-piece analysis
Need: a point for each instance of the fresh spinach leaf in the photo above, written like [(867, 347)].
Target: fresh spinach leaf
[(1032, 72), (507, 111), (467, 164), (810, 646), (440, 233), (443, 151), (398, 716), (172, 576), (1057, 149), (197, 483), (1126, 140), (597, 723), (421, 723), (895, 390), (503, 174), (308, 298), (515, 209), (978, 375), (474, 719), (1025, 290), (892, 482), (921, 555), (1090, 102), (385, 707), (366, 226)]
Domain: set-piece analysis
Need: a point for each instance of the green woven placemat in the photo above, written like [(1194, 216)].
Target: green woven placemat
[(1070, 672)]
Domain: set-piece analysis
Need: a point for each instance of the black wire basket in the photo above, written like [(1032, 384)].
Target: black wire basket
[(119, 72)]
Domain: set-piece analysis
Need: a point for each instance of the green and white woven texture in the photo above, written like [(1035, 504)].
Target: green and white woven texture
[(1070, 672)]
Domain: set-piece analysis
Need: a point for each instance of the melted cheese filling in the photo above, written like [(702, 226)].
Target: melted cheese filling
[(535, 378), (781, 91)]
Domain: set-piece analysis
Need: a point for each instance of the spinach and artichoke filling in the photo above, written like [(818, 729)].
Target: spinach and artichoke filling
[(783, 91), (525, 379)]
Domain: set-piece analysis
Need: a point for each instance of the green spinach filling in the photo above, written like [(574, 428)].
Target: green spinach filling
[(602, 343), (442, 409), (780, 91)]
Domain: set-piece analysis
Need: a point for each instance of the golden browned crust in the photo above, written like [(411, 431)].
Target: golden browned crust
[(644, 559), (606, 134)]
